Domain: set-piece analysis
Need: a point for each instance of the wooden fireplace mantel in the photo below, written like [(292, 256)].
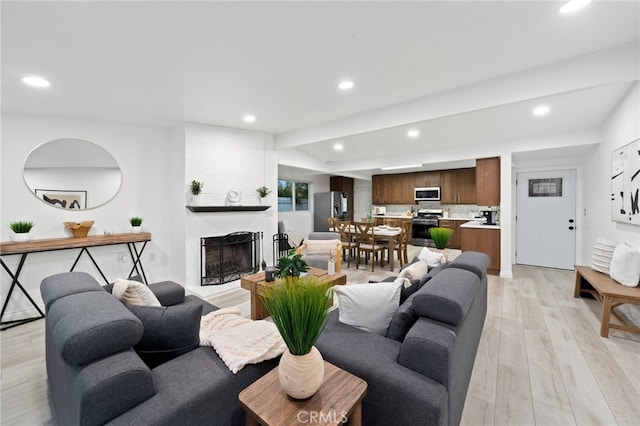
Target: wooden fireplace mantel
[(219, 209)]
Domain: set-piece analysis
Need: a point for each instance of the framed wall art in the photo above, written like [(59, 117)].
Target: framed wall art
[(68, 200), (625, 183)]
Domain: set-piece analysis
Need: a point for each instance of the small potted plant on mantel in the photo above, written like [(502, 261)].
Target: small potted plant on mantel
[(196, 190), (263, 192), (21, 231), (136, 224)]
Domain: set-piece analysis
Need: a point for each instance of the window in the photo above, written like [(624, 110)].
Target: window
[(292, 196)]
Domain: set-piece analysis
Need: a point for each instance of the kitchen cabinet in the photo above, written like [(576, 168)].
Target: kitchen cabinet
[(488, 181), (426, 179), (376, 189), (458, 186), (344, 184), (453, 224), (392, 189), (485, 241)]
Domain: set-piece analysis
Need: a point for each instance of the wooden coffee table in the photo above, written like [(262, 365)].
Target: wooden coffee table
[(255, 282), (338, 399)]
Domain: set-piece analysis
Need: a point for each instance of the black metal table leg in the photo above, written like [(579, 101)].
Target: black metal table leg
[(15, 282), (136, 260), (85, 250)]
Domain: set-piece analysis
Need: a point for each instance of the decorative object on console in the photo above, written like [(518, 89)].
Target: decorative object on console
[(440, 236), (21, 231), (292, 265), (625, 183), (234, 196), (79, 229), (196, 190), (263, 192), (136, 224), (298, 307)]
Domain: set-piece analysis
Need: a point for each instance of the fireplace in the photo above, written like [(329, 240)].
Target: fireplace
[(227, 258)]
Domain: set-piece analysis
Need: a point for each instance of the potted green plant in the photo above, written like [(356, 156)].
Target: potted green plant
[(136, 223), (196, 190), (292, 265), (21, 230), (440, 236), (298, 307), (263, 192)]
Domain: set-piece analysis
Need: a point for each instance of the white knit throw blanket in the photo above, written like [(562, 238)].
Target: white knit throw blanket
[(240, 341)]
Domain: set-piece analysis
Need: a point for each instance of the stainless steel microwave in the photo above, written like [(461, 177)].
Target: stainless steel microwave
[(431, 193)]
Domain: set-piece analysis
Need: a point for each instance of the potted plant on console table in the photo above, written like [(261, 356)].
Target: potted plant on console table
[(21, 231), (298, 307), (136, 224)]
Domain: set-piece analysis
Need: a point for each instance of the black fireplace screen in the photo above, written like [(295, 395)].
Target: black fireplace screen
[(227, 258)]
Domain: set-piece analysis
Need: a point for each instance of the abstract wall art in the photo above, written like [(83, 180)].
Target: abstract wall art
[(68, 200), (625, 183)]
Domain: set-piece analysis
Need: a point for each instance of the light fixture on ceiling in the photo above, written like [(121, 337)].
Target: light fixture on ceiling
[(338, 146), (249, 118), (345, 85), (573, 6), (413, 133), (35, 81), (541, 110), (410, 166)]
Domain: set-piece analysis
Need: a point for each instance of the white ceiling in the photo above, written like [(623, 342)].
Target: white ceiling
[(166, 63)]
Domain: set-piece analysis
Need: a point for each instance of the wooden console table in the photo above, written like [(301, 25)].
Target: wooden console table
[(52, 244)]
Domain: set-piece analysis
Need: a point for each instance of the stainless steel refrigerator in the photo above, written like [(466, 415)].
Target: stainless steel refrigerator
[(326, 205)]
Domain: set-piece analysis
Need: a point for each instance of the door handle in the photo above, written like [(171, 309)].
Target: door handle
[(571, 228), (570, 220)]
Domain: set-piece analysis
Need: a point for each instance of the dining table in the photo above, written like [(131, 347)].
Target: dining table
[(388, 234)]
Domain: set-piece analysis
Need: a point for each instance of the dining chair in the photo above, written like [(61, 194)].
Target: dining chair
[(347, 239), (392, 222), (365, 242), (332, 223), (406, 236)]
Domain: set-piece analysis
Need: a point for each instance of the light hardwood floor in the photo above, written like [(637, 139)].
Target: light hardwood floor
[(541, 359)]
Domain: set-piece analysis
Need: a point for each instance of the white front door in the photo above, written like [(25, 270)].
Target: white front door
[(546, 219)]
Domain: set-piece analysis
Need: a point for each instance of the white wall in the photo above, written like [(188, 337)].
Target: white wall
[(622, 127), (223, 159), (141, 155)]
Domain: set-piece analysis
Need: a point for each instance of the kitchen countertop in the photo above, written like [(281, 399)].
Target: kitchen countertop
[(393, 216), (478, 224)]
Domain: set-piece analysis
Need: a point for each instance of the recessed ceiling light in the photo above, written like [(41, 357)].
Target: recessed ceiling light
[(573, 6), (249, 118), (410, 166), (541, 110), (413, 133), (346, 85), (35, 81), (338, 146)]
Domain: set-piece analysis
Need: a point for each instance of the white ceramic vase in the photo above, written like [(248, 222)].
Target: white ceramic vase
[(136, 229), (21, 237), (301, 375), (195, 200)]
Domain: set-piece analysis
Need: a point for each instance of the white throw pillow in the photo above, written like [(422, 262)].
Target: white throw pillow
[(322, 246), (602, 252), (625, 265), (134, 293), (368, 307), (433, 259), (415, 271)]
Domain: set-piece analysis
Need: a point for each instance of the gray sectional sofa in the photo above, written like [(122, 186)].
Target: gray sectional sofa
[(418, 374), (105, 366), (97, 377)]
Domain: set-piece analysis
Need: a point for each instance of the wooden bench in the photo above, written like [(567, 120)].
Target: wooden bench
[(610, 293)]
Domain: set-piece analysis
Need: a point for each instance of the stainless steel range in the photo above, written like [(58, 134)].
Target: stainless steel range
[(425, 220)]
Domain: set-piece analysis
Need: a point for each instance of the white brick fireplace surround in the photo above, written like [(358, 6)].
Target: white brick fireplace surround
[(223, 159)]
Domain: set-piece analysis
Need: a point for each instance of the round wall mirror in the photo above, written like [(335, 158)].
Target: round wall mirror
[(72, 174)]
